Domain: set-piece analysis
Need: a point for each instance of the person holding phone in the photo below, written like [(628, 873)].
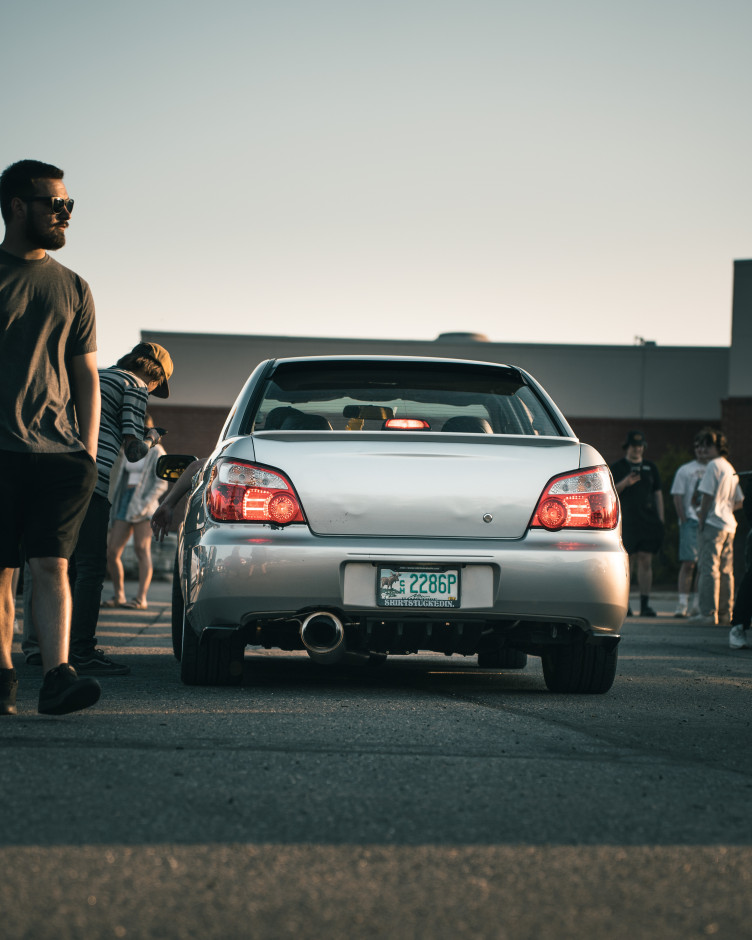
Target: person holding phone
[(638, 484)]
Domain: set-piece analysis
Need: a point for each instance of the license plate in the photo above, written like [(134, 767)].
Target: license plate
[(418, 587)]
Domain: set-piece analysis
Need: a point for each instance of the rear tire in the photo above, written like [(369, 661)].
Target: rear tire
[(583, 668), (211, 659), (178, 609)]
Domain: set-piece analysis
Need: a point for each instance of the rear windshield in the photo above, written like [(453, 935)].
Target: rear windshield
[(367, 396)]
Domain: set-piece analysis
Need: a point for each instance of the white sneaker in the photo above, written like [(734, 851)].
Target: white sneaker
[(707, 620), (681, 611), (738, 638)]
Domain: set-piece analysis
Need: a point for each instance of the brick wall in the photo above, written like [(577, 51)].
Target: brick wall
[(608, 435), (737, 426), (192, 430)]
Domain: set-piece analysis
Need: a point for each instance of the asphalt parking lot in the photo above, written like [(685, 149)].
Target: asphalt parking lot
[(426, 798)]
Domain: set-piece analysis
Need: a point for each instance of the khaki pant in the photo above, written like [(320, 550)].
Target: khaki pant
[(715, 589)]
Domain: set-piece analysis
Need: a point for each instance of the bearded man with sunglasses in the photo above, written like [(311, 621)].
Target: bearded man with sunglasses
[(49, 422)]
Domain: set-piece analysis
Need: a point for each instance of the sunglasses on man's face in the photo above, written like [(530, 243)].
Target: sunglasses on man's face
[(56, 204)]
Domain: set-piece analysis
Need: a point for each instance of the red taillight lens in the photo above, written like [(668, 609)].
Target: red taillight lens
[(283, 508), (585, 499), (244, 492)]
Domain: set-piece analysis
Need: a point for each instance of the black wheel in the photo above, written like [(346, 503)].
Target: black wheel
[(583, 668), (211, 659), (177, 612), (502, 659)]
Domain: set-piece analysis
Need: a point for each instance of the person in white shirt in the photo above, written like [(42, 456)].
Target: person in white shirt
[(721, 497), (686, 502), (136, 491)]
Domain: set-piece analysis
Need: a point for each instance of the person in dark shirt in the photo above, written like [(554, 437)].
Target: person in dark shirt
[(638, 484), (49, 422)]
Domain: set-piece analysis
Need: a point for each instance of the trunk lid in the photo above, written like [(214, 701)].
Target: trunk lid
[(414, 485)]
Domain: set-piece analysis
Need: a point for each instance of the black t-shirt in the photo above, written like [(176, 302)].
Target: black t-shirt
[(638, 500), (46, 319)]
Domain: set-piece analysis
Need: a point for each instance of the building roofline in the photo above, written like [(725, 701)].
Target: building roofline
[(151, 335)]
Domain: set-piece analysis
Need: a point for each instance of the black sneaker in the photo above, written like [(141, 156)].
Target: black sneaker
[(8, 689), (647, 611), (33, 659), (63, 691), (96, 663)]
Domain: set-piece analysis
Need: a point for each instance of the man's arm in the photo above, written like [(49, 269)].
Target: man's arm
[(679, 506), (658, 497), (162, 518), (738, 499), (85, 390), (134, 449), (629, 480), (702, 512)]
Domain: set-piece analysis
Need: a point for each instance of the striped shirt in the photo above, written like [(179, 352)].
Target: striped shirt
[(124, 398)]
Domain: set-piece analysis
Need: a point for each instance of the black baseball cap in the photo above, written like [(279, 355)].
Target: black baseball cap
[(634, 439)]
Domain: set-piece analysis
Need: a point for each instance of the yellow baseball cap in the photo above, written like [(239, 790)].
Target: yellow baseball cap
[(158, 354)]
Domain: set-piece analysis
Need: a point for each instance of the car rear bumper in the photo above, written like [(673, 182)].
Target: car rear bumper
[(234, 575)]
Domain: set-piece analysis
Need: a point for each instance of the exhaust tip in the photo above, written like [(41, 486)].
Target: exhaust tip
[(323, 636)]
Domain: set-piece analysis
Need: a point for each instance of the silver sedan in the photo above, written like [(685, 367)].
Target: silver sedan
[(373, 506)]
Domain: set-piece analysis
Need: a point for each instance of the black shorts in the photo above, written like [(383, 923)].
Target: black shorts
[(647, 538), (43, 500)]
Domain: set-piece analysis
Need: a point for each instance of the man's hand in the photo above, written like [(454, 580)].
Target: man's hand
[(629, 480), (86, 398), (162, 520)]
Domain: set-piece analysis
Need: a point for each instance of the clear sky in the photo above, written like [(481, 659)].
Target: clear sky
[(534, 170)]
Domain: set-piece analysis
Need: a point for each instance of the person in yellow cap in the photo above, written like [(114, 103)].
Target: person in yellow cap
[(125, 388)]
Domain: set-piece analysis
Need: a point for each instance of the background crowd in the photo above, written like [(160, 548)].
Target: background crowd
[(706, 494)]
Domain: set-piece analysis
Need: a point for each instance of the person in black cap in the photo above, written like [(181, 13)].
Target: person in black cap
[(638, 484)]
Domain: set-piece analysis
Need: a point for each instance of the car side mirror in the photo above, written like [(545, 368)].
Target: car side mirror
[(171, 467)]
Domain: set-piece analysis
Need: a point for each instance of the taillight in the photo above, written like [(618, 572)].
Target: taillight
[(244, 492), (406, 424), (585, 499)]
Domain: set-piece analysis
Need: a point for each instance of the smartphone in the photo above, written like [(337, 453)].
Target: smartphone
[(636, 469), (161, 431)]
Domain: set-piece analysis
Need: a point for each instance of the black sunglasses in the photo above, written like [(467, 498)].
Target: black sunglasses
[(56, 203)]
